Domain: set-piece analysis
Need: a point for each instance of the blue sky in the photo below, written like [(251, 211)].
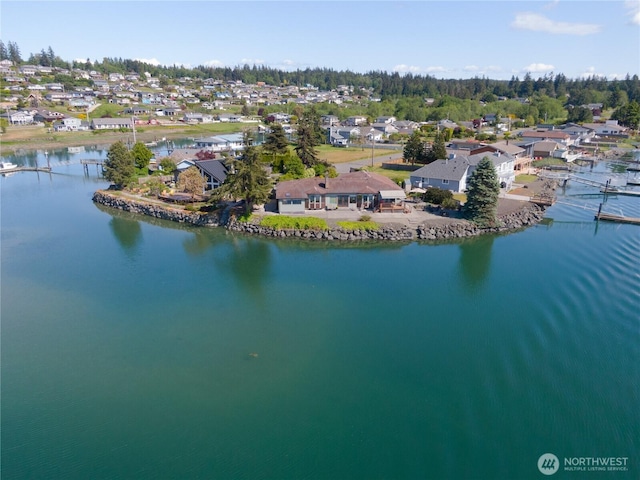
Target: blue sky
[(446, 39)]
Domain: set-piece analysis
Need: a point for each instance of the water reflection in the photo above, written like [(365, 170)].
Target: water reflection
[(475, 261), (249, 262), (127, 231), (201, 241)]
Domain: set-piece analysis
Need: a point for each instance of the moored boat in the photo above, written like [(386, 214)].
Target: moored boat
[(7, 166)]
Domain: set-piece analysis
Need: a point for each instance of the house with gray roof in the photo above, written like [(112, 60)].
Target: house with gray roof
[(213, 171), (447, 174), (111, 123), (453, 173)]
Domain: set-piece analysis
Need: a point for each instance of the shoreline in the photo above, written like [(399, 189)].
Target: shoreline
[(421, 226)]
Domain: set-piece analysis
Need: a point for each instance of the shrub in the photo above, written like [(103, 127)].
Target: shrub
[(360, 225), (437, 195), (364, 218), (282, 222), (450, 204)]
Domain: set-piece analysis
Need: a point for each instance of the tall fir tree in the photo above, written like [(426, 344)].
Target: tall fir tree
[(248, 179), (276, 141), (118, 167), (482, 195)]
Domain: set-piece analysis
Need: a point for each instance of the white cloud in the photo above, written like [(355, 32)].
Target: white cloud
[(538, 68), (402, 68), (82, 60), (213, 63), (591, 72), (633, 9), (251, 61), (551, 5), (150, 61), (288, 62), (477, 69), (539, 23)]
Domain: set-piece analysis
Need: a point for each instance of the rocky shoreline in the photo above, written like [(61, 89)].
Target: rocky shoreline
[(529, 214)]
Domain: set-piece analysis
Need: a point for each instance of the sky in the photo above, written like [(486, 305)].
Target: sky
[(444, 39)]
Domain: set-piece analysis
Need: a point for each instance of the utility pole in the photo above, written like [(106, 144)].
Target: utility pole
[(372, 149)]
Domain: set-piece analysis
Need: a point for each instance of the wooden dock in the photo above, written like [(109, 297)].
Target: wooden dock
[(619, 191), (610, 217), (28, 169)]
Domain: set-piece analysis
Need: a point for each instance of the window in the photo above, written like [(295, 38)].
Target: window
[(445, 182)]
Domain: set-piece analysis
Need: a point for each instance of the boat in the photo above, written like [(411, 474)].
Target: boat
[(79, 149), (7, 166)]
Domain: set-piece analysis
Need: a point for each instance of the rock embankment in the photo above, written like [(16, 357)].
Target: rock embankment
[(156, 210), (529, 214)]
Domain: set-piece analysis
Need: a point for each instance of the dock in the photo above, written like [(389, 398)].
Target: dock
[(610, 217), (28, 169), (619, 191)]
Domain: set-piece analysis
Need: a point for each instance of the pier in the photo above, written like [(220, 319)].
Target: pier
[(86, 162)]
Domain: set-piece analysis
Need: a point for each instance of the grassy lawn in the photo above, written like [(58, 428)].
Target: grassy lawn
[(525, 178), (395, 175), (548, 161), (461, 197)]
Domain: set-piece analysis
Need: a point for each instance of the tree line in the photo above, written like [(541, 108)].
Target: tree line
[(592, 89)]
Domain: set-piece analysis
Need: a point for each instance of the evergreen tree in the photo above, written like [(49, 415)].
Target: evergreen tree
[(141, 157), (4, 54), (438, 150), (482, 194), (414, 149), (14, 53), (118, 167), (307, 139), (628, 115), (276, 141), (248, 180)]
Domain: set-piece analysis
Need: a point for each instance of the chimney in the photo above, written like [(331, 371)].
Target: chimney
[(326, 180)]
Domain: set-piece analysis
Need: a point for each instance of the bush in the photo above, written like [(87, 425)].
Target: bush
[(282, 222), (450, 204), (364, 218), (360, 225), (437, 195)]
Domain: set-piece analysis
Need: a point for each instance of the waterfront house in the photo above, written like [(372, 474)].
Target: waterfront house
[(609, 128), (18, 118), (557, 136), (213, 171), (111, 123), (454, 172), (355, 191), (220, 143)]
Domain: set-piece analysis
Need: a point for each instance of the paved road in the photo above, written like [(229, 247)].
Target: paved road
[(366, 162)]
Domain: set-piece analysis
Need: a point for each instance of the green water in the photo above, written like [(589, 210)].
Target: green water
[(127, 342)]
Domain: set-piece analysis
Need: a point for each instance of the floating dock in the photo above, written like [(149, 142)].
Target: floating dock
[(27, 169), (610, 217)]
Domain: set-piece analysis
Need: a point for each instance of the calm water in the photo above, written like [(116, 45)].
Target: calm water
[(126, 346)]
